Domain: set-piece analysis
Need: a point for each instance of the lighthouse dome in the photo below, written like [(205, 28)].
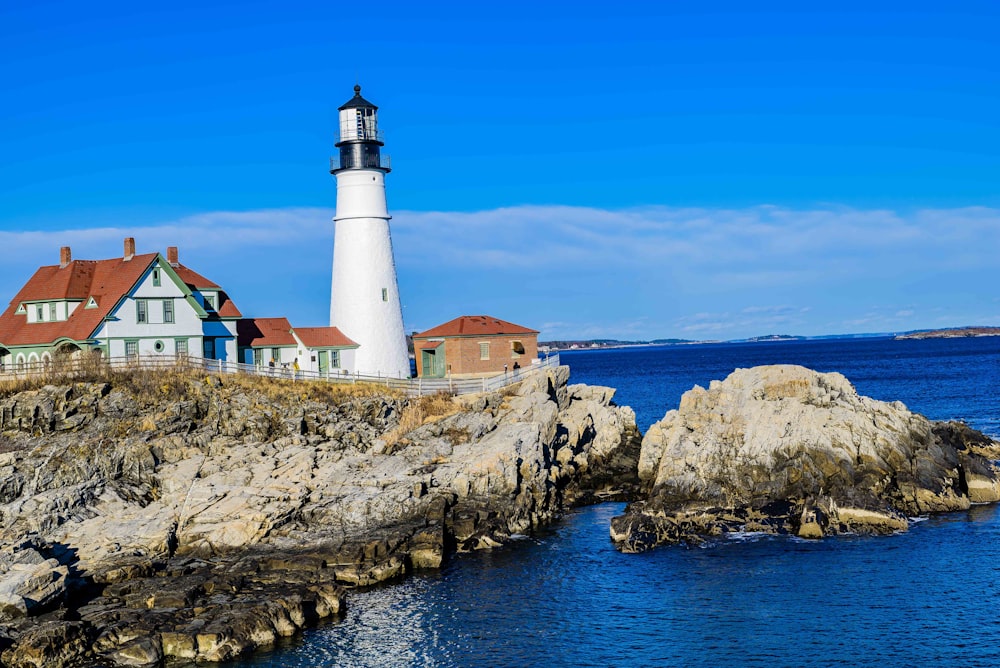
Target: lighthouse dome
[(357, 102)]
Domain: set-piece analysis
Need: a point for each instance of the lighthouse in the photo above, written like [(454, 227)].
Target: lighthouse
[(364, 300)]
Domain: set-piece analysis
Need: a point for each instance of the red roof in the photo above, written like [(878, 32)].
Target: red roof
[(193, 279), (475, 325), (323, 337), (107, 281), (264, 333)]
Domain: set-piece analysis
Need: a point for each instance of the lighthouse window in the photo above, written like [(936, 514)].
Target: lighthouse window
[(385, 294)]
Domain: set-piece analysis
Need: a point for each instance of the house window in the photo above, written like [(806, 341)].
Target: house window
[(385, 294), (141, 311), (52, 311), (40, 312), (258, 357), (334, 359), (156, 277), (276, 354), (131, 348), (484, 351), (159, 346), (168, 310), (516, 349), (181, 345), (210, 349), (210, 302)]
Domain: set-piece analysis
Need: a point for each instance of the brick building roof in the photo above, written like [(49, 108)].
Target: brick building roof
[(475, 325)]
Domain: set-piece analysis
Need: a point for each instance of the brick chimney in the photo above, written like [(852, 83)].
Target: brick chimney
[(65, 256), (129, 248), (172, 255)]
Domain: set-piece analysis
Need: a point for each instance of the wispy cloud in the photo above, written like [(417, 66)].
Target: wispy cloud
[(582, 272)]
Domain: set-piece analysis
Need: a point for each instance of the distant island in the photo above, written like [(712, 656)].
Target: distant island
[(951, 333)]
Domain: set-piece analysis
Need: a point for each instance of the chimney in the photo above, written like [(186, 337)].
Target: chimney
[(129, 247), (172, 255), (65, 256)]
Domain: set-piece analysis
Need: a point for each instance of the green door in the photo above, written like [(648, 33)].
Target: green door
[(323, 356), (432, 362)]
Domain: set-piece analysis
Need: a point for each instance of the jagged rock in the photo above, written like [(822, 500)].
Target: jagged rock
[(206, 518), (788, 449)]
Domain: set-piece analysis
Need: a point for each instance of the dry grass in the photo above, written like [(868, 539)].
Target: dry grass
[(149, 386), (419, 412)]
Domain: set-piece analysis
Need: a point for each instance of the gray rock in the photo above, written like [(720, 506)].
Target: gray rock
[(784, 448)]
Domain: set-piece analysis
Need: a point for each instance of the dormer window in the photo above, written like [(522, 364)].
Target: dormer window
[(209, 302), (21, 310), (39, 312), (91, 303), (52, 311)]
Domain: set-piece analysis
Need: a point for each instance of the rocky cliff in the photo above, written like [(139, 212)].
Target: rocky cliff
[(200, 517), (786, 449)]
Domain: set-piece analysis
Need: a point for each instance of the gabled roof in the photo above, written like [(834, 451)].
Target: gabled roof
[(278, 332), (475, 325), (323, 337), (108, 281), (264, 333)]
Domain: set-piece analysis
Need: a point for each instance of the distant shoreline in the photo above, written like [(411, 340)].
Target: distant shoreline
[(611, 344), (951, 333)]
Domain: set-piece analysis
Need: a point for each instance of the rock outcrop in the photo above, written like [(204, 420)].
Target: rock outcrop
[(198, 518), (786, 449)]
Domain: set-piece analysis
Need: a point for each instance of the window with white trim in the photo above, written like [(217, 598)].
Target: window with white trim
[(334, 359), (484, 351)]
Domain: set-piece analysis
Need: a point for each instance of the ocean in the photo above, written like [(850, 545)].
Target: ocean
[(565, 597)]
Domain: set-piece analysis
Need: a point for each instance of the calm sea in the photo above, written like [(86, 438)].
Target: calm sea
[(564, 597)]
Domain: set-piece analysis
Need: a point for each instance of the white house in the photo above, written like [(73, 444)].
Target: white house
[(131, 305), (274, 342)]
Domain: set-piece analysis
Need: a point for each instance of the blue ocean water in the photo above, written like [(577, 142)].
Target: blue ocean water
[(565, 597)]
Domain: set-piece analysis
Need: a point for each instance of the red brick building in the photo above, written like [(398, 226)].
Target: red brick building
[(474, 345)]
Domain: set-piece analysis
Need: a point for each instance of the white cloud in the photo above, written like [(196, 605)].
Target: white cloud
[(647, 272)]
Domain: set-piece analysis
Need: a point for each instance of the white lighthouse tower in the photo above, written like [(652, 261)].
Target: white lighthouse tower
[(364, 302)]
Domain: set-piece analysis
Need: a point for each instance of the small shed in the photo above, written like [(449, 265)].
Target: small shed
[(473, 346)]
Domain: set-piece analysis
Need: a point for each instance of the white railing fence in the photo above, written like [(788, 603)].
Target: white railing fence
[(410, 386)]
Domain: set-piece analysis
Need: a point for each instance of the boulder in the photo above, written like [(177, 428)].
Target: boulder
[(788, 449)]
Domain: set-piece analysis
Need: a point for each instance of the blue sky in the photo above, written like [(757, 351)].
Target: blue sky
[(680, 169)]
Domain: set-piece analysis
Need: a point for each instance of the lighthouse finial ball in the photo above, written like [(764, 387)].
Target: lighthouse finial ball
[(357, 90)]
